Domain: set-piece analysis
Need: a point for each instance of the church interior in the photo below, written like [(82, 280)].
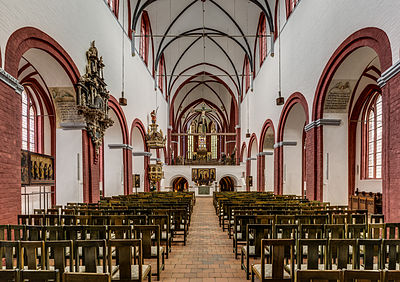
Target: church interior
[(199, 140)]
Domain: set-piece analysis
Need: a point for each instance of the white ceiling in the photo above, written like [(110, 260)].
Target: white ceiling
[(218, 36)]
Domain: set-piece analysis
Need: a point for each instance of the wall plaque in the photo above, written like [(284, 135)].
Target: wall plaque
[(65, 103), (338, 97)]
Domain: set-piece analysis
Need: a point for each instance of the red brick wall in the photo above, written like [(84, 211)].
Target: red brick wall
[(278, 170), (10, 155), (128, 163), (91, 171), (314, 163), (261, 173), (391, 150)]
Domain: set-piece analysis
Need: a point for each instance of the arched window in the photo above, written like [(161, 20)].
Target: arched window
[(262, 33), (373, 139), (161, 76), (114, 4), (29, 125), (214, 142), (247, 73), (290, 5), (192, 130), (144, 37)]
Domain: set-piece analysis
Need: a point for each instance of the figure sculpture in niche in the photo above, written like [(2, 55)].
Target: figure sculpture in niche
[(45, 172), (213, 128)]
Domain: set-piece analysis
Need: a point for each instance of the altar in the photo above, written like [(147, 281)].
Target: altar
[(202, 191)]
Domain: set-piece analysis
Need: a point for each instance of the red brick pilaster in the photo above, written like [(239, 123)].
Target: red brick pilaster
[(238, 149), (248, 172), (146, 174), (91, 170), (278, 170), (314, 163), (311, 171), (261, 173), (169, 148), (391, 150), (128, 170), (10, 155)]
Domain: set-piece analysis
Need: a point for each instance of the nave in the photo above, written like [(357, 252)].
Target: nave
[(207, 135), (208, 254), (178, 237)]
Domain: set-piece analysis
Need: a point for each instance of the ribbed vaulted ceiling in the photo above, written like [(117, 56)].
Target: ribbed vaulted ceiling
[(204, 43)]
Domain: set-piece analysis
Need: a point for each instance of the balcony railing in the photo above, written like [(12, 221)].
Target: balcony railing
[(187, 161), (35, 198)]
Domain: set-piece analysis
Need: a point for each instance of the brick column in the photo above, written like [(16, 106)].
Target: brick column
[(261, 173), (248, 172), (391, 147), (10, 152), (278, 170), (91, 170), (169, 151), (146, 174), (238, 149), (128, 171)]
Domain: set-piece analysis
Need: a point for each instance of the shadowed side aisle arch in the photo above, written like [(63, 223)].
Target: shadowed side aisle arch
[(180, 184), (251, 170), (52, 56), (227, 184), (138, 143), (123, 138), (376, 40), (265, 163), (293, 117)]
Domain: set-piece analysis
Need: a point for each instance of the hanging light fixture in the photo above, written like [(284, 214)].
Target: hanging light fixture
[(280, 100), (122, 100)]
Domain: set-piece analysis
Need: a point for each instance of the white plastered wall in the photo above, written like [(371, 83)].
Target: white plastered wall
[(308, 39), (335, 161), (68, 23), (292, 155), (69, 176), (113, 159), (172, 172), (253, 167), (138, 161), (268, 146)]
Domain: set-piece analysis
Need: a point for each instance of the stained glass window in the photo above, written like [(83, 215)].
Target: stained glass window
[(374, 138)]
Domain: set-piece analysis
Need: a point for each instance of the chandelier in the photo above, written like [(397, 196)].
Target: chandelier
[(154, 138)]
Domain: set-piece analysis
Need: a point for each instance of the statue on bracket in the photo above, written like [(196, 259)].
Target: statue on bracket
[(92, 98)]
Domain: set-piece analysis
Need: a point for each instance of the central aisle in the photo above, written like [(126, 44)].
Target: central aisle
[(207, 255)]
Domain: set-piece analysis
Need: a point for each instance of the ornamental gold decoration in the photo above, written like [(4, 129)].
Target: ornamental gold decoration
[(154, 138), (92, 98)]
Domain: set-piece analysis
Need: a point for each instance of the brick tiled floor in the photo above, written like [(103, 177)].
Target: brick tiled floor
[(207, 255)]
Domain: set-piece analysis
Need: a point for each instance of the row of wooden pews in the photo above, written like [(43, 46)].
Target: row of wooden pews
[(299, 240), (120, 238)]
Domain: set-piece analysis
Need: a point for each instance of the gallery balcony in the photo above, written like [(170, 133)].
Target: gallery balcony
[(204, 161)]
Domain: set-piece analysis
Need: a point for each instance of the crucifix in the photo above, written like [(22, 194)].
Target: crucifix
[(203, 112)]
